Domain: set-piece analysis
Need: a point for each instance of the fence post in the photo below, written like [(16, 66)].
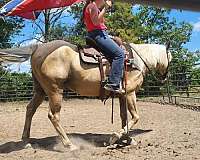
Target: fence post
[(168, 88)]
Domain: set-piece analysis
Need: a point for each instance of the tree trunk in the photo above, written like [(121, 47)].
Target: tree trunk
[(47, 25)]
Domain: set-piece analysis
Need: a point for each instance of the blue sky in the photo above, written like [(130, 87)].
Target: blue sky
[(194, 19), (187, 16)]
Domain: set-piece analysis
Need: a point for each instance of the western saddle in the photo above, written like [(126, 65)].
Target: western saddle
[(92, 54)]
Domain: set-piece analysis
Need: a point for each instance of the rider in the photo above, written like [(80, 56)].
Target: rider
[(93, 17)]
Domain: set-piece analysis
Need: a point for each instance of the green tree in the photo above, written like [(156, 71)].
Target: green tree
[(16, 86), (9, 27), (78, 31), (159, 28), (196, 69), (124, 24), (121, 23), (48, 23), (148, 25)]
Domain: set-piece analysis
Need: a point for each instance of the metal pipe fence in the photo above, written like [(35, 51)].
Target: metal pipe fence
[(182, 88)]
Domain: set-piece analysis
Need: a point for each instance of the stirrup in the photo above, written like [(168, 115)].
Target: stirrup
[(113, 89)]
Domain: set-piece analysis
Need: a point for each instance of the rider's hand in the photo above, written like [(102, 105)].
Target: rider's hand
[(108, 3)]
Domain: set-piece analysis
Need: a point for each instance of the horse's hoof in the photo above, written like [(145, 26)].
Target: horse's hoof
[(73, 148), (27, 146), (26, 142), (110, 147), (133, 142), (114, 138), (126, 139)]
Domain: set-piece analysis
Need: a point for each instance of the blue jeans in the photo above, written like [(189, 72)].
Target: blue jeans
[(112, 52)]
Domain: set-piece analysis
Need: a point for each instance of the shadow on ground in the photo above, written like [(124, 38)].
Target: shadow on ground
[(49, 143)]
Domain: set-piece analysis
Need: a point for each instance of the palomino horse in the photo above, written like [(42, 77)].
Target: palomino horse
[(57, 66)]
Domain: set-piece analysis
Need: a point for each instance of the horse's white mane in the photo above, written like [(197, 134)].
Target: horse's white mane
[(152, 54), (149, 50)]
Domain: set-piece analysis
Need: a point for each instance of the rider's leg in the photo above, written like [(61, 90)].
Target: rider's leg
[(113, 52)]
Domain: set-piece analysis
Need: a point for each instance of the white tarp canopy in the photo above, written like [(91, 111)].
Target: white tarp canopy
[(192, 5)]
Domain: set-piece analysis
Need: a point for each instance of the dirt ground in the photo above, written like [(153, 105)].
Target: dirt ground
[(164, 132)]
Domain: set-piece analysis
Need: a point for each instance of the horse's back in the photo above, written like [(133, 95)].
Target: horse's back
[(45, 49), (50, 61)]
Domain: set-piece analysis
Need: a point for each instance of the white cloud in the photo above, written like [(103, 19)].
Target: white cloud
[(196, 26)]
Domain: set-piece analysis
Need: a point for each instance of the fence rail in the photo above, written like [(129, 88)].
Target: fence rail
[(181, 88)]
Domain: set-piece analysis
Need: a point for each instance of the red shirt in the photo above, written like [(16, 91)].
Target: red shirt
[(88, 21)]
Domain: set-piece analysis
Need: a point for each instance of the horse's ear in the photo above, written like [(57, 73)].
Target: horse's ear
[(168, 45)]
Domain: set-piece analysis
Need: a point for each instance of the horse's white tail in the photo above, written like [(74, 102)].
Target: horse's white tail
[(17, 54)]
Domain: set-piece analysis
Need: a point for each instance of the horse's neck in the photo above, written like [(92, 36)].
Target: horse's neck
[(145, 56)]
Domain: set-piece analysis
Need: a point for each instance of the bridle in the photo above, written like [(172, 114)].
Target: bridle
[(160, 78)]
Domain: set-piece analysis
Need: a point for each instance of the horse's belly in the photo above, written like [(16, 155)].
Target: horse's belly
[(85, 89)]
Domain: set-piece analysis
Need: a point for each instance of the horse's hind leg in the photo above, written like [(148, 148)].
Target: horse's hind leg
[(55, 100), (37, 99)]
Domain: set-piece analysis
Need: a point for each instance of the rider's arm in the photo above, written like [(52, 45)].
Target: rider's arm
[(96, 16)]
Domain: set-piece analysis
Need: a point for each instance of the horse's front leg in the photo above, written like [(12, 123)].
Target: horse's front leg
[(132, 108)]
